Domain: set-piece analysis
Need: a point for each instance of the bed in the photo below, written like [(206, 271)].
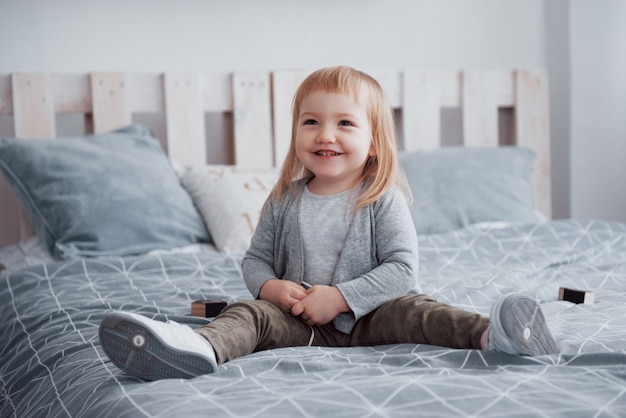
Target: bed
[(124, 216)]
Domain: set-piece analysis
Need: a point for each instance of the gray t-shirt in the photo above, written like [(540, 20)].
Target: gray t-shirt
[(378, 262), (324, 222)]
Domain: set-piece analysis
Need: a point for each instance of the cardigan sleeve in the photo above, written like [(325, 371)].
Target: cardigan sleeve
[(258, 261), (395, 261)]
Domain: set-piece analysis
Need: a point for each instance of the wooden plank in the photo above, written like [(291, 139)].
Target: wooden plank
[(186, 141), (72, 93), (480, 109), (252, 116), (284, 87), (532, 122), (110, 102), (33, 105), (421, 117), (34, 117)]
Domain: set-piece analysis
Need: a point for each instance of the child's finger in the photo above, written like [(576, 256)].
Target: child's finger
[(297, 308)]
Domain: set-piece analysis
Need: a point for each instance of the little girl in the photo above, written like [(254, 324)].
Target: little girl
[(334, 258)]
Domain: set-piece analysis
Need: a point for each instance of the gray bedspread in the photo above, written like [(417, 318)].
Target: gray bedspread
[(51, 363)]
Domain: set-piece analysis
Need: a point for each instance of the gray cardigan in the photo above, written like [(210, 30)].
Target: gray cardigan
[(379, 260)]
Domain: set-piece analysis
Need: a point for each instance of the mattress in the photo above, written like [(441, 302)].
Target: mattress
[(52, 364)]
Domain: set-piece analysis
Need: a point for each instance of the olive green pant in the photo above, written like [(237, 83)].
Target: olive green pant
[(249, 326)]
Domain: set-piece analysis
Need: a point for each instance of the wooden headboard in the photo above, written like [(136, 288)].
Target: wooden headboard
[(258, 105)]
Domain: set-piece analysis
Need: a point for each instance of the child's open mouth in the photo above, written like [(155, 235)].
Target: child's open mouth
[(326, 153)]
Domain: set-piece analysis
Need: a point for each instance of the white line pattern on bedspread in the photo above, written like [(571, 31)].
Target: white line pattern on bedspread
[(36, 353), (53, 364)]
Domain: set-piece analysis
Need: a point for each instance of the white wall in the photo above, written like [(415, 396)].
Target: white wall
[(83, 35), (223, 35), (598, 134), (559, 69)]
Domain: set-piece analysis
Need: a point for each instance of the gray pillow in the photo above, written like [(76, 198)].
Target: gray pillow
[(108, 194), (454, 187)]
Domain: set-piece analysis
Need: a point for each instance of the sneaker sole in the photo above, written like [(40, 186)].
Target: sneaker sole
[(531, 335), (135, 349)]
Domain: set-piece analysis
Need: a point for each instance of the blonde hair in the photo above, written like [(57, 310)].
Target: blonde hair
[(381, 171)]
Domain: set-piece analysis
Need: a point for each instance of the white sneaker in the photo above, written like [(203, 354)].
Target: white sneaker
[(154, 350), (517, 326)]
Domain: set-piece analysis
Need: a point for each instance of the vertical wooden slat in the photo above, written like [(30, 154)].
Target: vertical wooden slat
[(33, 106), (34, 117), (110, 102), (532, 125), (184, 116), (284, 86), (480, 109), (421, 115), (252, 120)]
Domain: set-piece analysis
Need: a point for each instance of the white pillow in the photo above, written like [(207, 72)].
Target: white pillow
[(230, 200)]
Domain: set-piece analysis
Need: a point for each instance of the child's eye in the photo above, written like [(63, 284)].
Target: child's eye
[(310, 122), (346, 123)]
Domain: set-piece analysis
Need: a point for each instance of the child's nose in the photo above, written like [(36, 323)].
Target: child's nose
[(326, 135)]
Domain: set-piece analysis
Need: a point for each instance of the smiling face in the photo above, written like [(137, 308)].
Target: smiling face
[(333, 140)]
